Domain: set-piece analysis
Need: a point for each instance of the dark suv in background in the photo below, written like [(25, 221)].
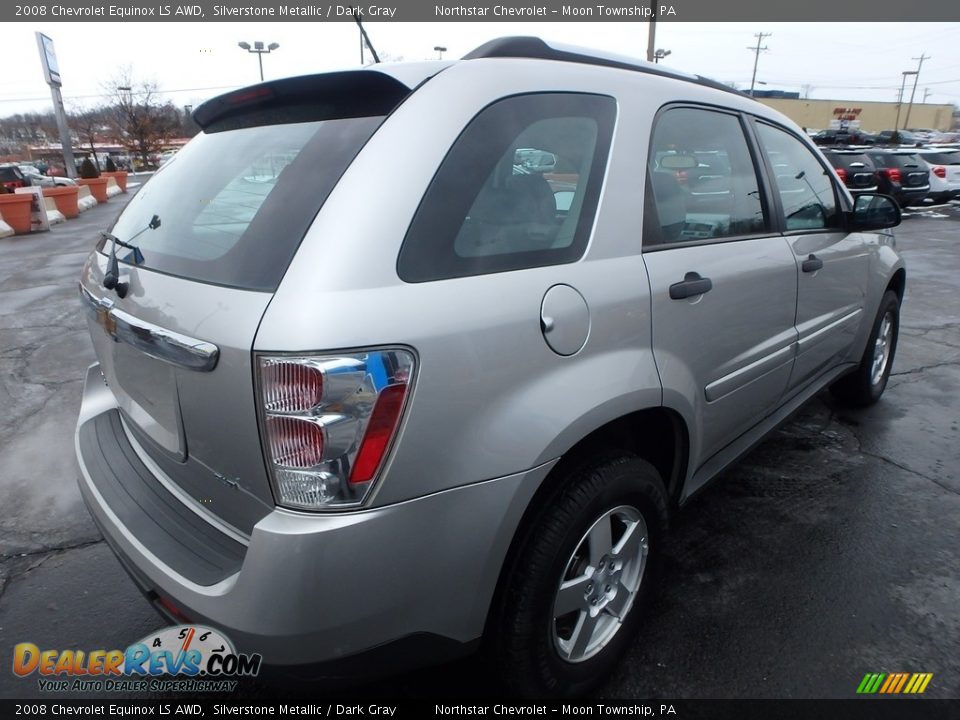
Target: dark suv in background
[(893, 137), (855, 168), (843, 137), (902, 175), (11, 177)]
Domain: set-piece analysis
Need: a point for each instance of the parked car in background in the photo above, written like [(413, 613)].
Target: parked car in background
[(368, 438), (927, 135), (39, 179), (944, 167), (855, 168), (11, 177), (165, 157), (902, 174), (844, 137), (897, 137)]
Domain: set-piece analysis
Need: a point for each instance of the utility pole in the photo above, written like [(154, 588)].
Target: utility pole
[(926, 93), (916, 77), (756, 58), (903, 85)]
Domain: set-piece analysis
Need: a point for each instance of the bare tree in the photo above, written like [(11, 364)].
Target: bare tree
[(141, 122), (89, 126)]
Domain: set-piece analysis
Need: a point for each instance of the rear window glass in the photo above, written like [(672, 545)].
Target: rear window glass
[(518, 189), (896, 160), (233, 206), (943, 158), (846, 160)]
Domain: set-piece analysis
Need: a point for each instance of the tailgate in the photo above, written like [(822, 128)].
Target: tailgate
[(204, 245), (198, 425)]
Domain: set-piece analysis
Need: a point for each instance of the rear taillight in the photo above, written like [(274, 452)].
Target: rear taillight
[(891, 174), (328, 422), (940, 171), (842, 174)]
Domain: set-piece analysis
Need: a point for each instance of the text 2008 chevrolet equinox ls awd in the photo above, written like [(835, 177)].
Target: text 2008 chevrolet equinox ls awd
[(396, 359)]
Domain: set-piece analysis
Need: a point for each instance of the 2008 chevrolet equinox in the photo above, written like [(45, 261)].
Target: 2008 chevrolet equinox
[(398, 359)]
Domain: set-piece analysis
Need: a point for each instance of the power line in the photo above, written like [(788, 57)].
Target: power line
[(100, 95)]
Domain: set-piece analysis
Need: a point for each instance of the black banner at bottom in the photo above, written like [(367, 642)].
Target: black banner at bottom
[(860, 709)]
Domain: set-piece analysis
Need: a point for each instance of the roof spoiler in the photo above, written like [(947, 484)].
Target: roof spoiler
[(309, 98)]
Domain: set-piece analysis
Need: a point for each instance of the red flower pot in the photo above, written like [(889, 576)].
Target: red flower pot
[(120, 176), (98, 187), (15, 211), (65, 197)]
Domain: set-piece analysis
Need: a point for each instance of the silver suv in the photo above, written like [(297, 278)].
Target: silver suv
[(373, 387)]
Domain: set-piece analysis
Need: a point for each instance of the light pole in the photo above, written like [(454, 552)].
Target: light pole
[(129, 116), (441, 50), (660, 54), (260, 50)]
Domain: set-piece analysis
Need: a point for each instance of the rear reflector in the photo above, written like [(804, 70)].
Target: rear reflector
[(940, 171), (383, 421)]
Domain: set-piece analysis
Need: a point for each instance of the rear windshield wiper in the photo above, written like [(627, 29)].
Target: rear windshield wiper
[(111, 279)]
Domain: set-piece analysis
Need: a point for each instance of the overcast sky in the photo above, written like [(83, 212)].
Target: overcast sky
[(194, 61)]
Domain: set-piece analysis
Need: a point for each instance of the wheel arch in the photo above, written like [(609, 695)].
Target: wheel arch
[(898, 282), (658, 435)]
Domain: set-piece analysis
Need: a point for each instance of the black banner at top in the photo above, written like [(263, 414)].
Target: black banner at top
[(476, 10)]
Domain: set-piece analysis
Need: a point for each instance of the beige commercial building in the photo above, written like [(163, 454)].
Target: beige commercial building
[(873, 116)]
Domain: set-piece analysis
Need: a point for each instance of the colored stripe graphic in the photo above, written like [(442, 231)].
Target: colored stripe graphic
[(903, 681), (894, 683), (891, 683)]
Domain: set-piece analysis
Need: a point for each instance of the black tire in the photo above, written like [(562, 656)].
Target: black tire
[(525, 650), (860, 388)]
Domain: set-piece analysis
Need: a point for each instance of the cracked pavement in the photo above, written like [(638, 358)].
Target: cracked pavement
[(830, 551)]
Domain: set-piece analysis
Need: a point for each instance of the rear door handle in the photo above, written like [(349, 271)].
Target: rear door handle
[(812, 264), (691, 285)]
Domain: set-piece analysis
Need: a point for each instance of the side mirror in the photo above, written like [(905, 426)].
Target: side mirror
[(873, 212)]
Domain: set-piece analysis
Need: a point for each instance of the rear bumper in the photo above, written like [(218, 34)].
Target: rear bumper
[(911, 194), (321, 588)]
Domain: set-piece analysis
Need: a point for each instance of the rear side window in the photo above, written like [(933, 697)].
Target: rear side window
[(807, 193), (518, 189), (701, 180)]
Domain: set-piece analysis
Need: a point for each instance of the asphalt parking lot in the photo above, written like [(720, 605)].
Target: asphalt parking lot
[(830, 551)]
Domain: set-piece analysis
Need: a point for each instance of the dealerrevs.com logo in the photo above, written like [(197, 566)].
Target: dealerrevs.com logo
[(199, 659)]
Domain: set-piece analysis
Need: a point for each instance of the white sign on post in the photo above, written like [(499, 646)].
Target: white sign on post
[(48, 58)]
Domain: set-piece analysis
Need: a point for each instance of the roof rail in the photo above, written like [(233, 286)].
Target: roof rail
[(535, 48)]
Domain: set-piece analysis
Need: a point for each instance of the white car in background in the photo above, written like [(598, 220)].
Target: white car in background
[(944, 166), (38, 179)]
